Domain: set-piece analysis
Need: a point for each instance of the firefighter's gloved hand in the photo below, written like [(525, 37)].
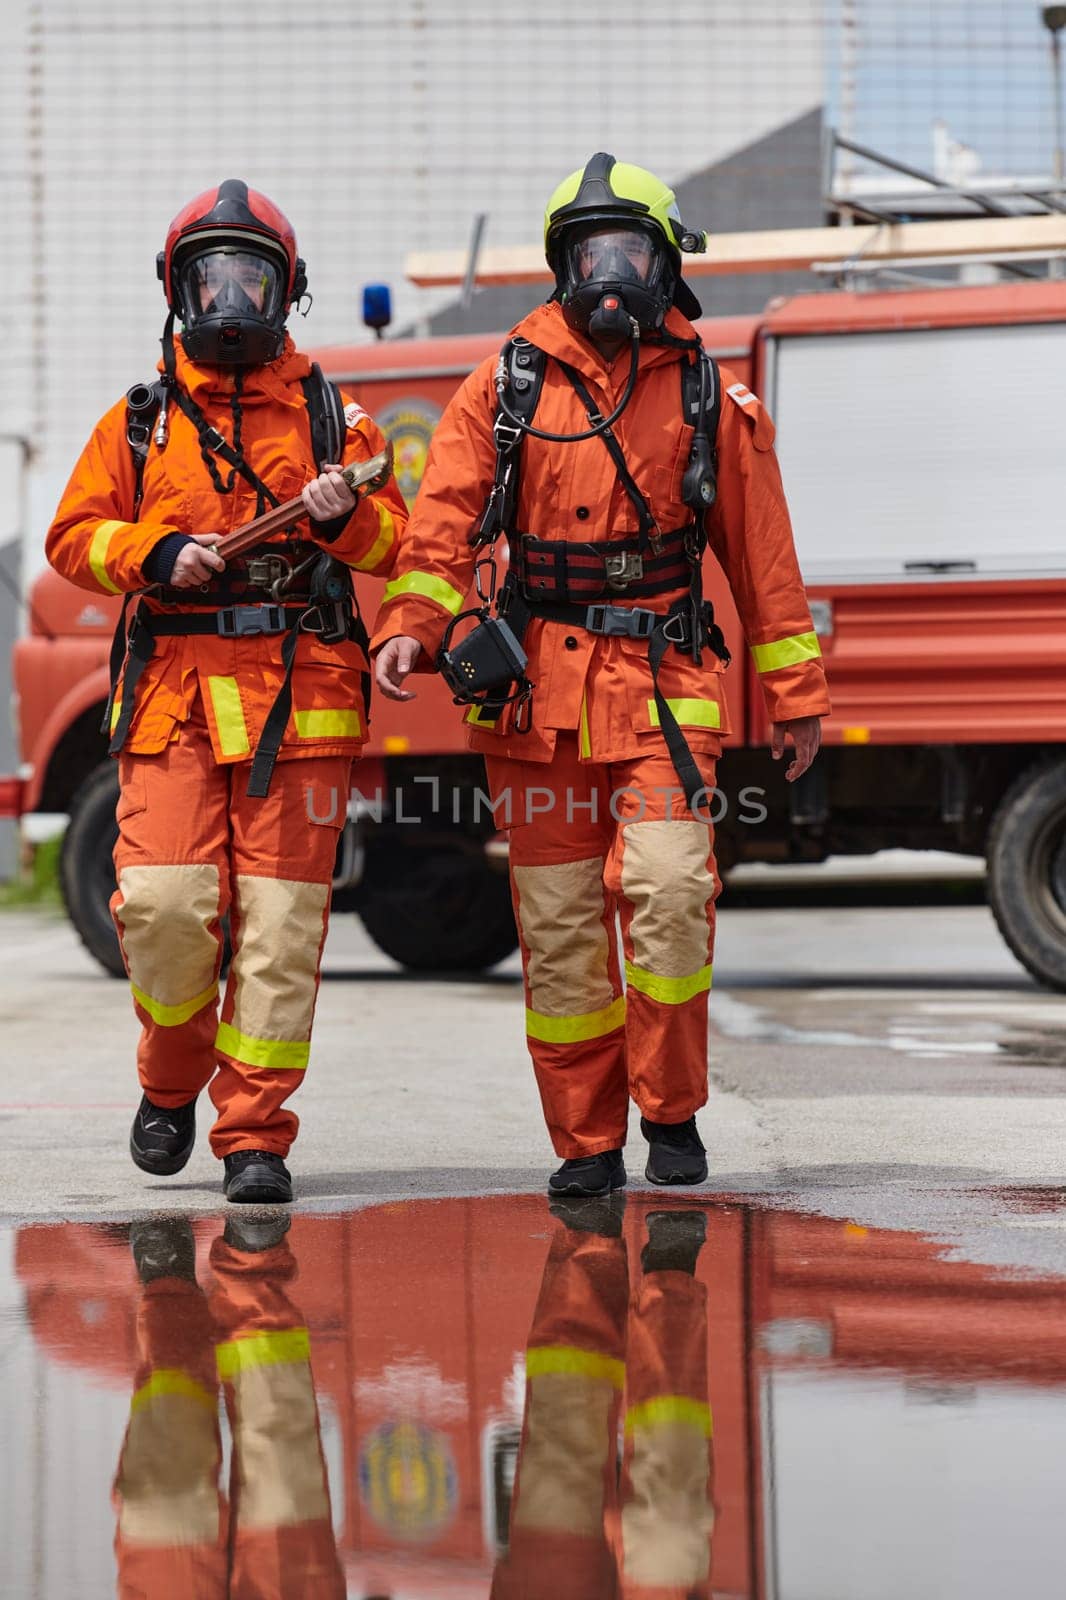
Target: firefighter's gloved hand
[(806, 733), (196, 562), (395, 660), (328, 496)]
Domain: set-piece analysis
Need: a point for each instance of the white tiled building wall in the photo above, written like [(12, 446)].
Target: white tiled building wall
[(378, 127)]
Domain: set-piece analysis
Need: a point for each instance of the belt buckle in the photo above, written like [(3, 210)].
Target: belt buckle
[(628, 622), (624, 568), (240, 622), (265, 571)]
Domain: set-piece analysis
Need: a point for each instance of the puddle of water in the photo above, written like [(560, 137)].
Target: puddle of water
[(437, 1399)]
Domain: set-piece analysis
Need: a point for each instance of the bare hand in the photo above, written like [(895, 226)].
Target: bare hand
[(197, 562), (806, 735), (395, 660), (328, 496)]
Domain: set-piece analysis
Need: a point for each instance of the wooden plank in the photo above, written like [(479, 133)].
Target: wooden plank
[(782, 250)]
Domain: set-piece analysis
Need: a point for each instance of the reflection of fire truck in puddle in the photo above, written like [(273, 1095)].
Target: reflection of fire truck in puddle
[(856, 1377)]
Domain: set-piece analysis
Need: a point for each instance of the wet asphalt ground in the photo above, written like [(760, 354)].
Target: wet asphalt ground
[(863, 1314)]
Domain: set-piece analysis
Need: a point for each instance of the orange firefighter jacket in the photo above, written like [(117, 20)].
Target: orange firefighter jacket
[(601, 687), (100, 540)]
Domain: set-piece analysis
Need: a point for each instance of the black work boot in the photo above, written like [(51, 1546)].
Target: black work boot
[(591, 1213), (255, 1234), (675, 1152), (587, 1175), (163, 1247), (162, 1137), (256, 1177), (675, 1239)]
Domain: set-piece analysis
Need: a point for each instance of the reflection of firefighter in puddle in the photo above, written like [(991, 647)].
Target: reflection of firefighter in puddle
[(177, 1533), (579, 1530)]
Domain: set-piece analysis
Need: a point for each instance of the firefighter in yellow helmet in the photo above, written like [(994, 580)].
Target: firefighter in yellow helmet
[(609, 452)]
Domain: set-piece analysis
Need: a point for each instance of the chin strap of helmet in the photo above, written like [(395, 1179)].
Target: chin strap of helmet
[(212, 443)]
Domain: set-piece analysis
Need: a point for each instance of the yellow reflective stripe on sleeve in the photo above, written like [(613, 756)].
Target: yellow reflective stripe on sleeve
[(690, 713), (670, 1408), (786, 652), (98, 549), (173, 1016), (327, 724), (572, 1030), (668, 991), (584, 743), (426, 585), (382, 544), (287, 1347), (116, 712), (169, 1380), (542, 1359), (287, 1055), (229, 717)]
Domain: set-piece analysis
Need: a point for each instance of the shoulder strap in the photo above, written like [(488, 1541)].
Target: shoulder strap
[(524, 365), (143, 402), (690, 395), (325, 410)]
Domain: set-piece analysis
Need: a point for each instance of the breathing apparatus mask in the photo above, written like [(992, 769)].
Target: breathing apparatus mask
[(610, 273), (231, 299)]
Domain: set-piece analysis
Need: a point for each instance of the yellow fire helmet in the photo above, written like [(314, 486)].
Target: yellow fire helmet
[(608, 196)]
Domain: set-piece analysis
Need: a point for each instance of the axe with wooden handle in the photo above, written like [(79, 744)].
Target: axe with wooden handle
[(365, 475)]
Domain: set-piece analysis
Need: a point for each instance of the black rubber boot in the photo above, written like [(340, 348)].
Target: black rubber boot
[(257, 1177), (596, 1213), (675, 1239), (162, 1137), (589, 1175), (255, 1234), (675, 1152), (163, 1247)]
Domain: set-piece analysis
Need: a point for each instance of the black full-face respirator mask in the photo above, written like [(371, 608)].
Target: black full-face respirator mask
[(231, 300), (612, 272)]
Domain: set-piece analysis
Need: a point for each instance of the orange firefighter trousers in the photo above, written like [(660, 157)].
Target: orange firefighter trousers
[(177, 1535), (193, 847), (589, 841), (598, 1355)]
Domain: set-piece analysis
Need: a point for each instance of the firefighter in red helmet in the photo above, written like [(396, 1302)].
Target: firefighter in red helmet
[(238, 700)]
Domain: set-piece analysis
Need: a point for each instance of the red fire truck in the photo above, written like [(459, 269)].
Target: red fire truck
[(918, 436)]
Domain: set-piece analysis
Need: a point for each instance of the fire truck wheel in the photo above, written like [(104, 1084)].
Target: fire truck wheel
[(1027, 871), (437, 910), (86, 871)]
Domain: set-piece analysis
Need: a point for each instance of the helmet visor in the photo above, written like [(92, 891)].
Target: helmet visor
[(230, 282), (620, 255)]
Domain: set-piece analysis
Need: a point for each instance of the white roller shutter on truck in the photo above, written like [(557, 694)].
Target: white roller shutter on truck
[(924, 453)]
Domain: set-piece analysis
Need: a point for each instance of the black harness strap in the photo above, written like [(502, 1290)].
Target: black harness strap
[(649, 533)]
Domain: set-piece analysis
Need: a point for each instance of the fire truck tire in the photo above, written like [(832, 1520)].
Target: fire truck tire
[(86, 871), (438, 910), (1027, 871)]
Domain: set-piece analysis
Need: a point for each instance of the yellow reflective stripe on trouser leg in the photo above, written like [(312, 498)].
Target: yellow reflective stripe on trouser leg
[(171, 1380), (541, 1359), (574, 1030), (229, 716), (428, 586), (670, 1408), (286, 1347), (173, 1016), (668, 991), (286, 1055), (786, 652), (326, 724), (690, 713), (98, 548), (382, 544)]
